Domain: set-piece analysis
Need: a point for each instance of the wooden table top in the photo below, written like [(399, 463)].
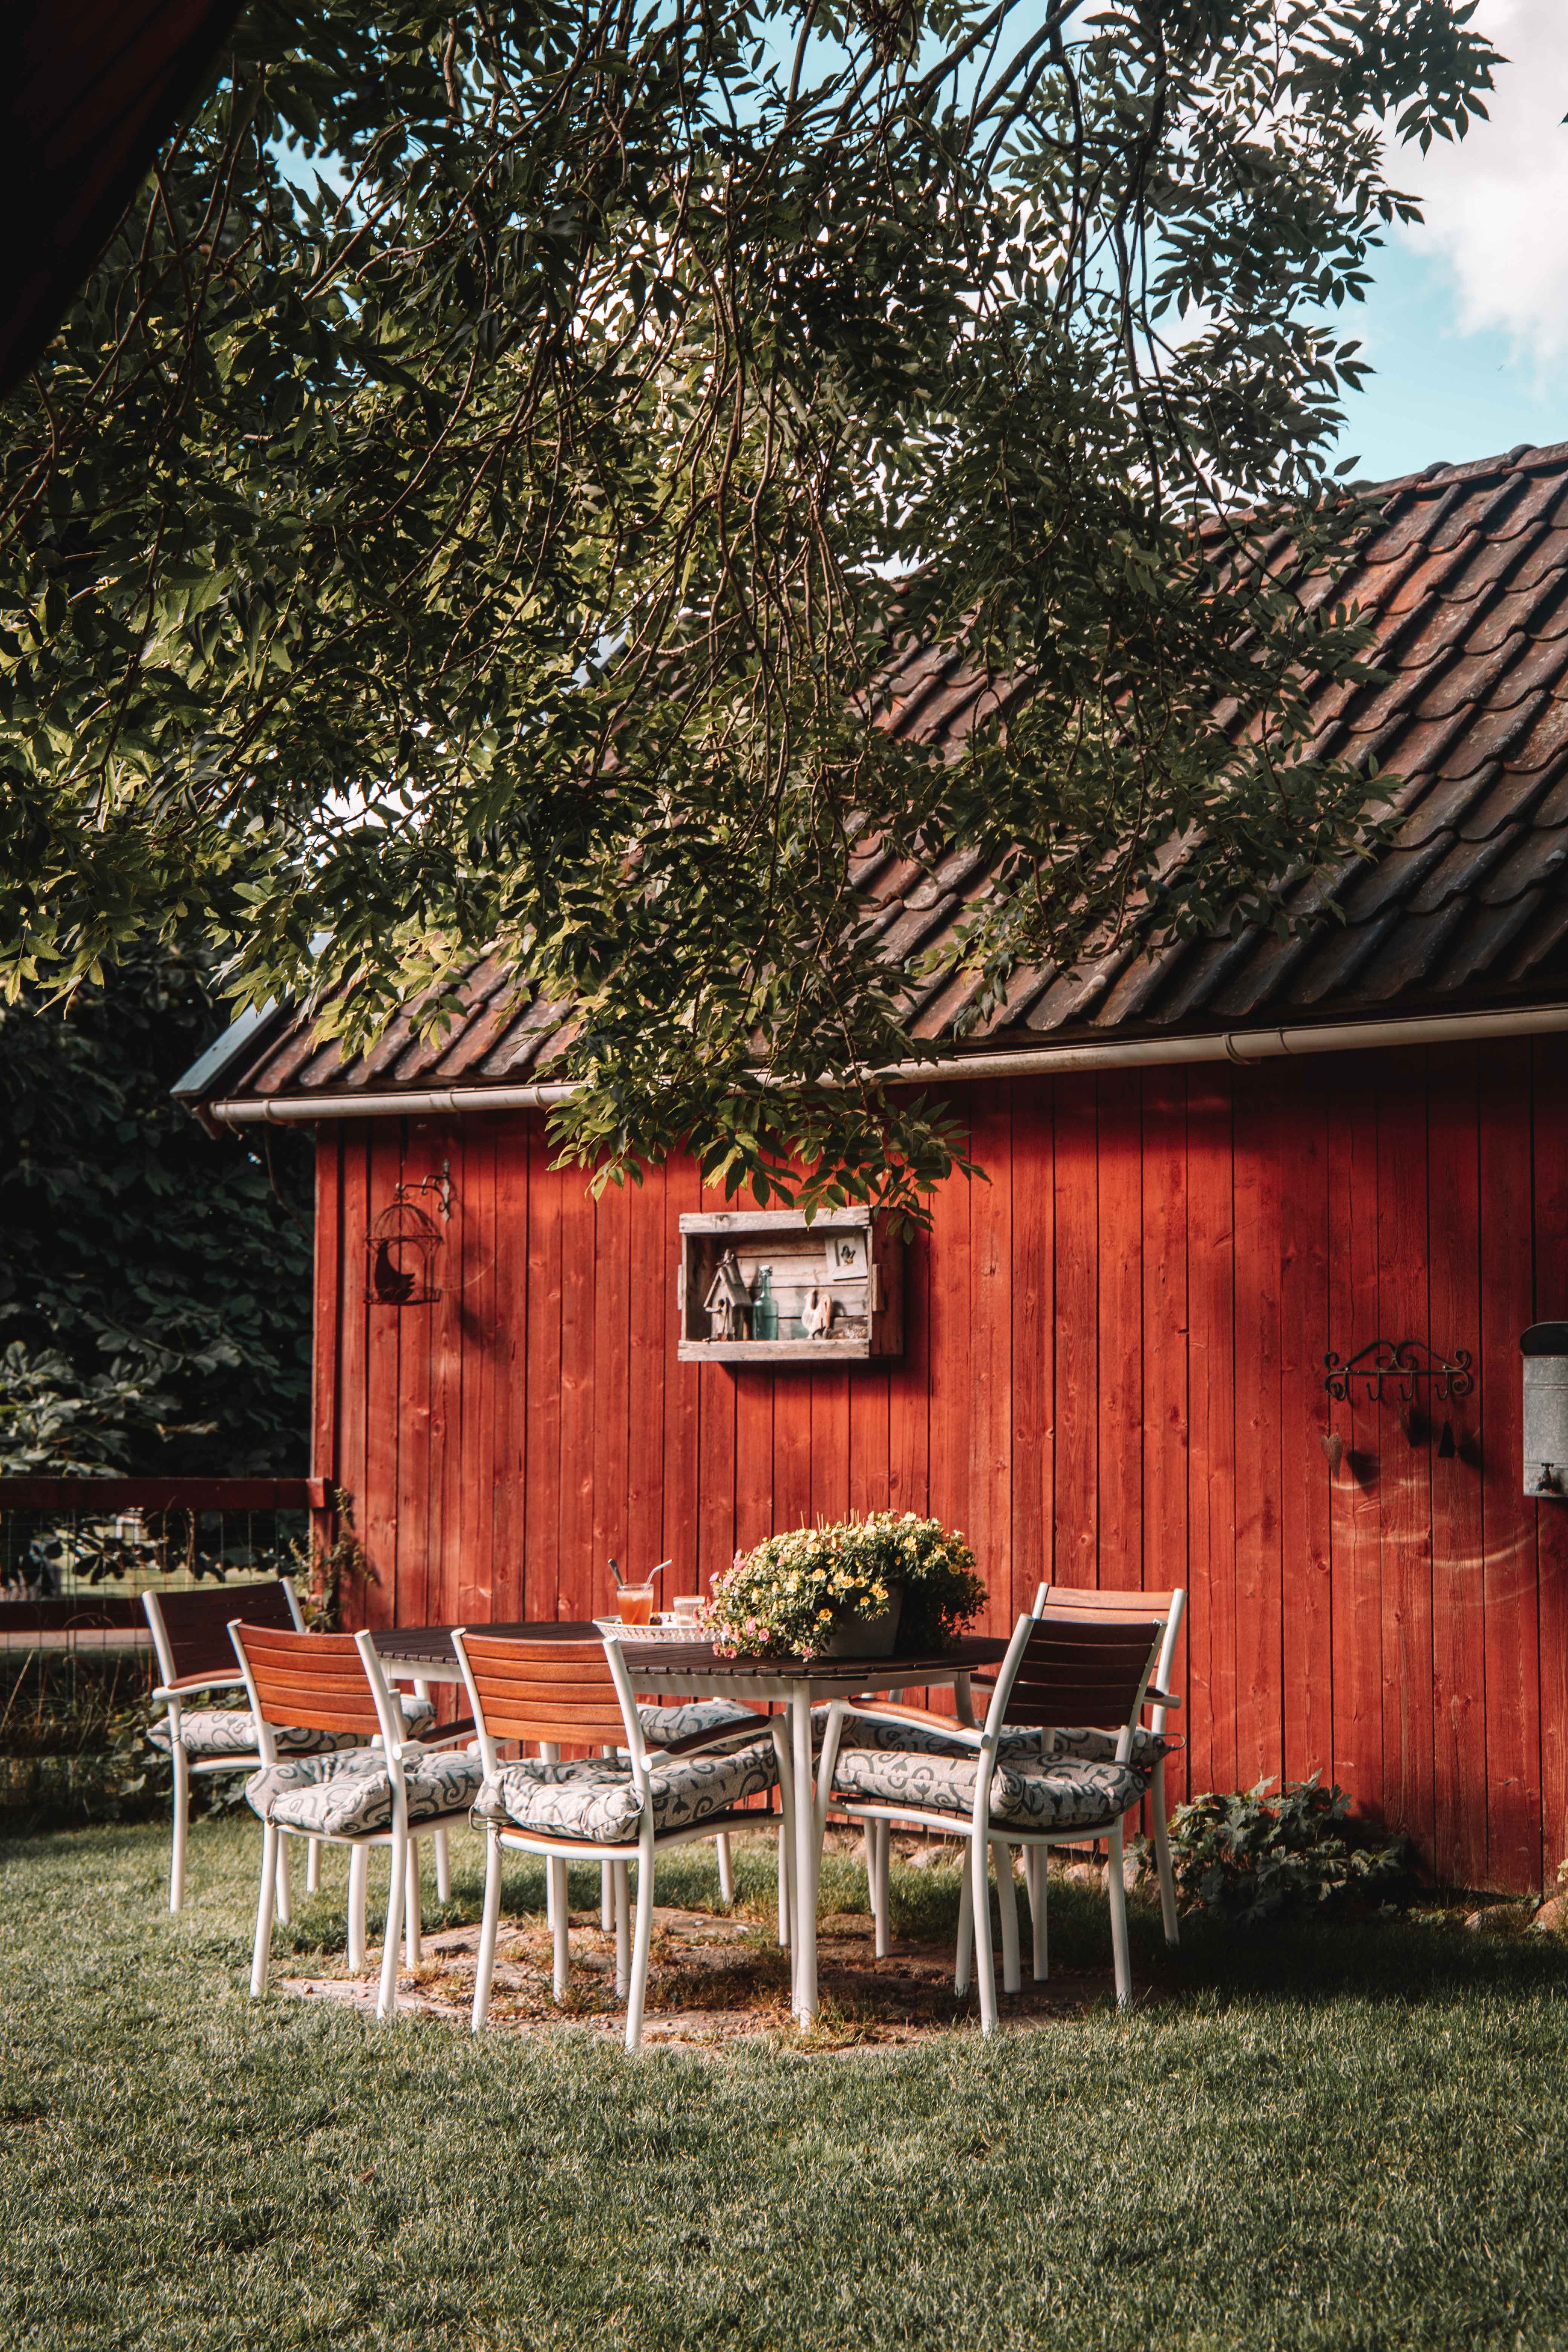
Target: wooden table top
[(412, 1645)]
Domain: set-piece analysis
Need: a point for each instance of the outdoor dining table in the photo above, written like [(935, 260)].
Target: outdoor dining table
[(690, 1669)]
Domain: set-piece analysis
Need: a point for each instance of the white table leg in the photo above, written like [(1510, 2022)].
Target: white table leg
[(803, 1910)]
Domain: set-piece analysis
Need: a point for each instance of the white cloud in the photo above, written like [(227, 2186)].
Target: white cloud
[(1495, 204)]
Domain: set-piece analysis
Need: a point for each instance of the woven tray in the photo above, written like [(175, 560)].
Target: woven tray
[(614, 1631)]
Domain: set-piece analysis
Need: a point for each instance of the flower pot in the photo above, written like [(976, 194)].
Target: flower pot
[(866, 1637)]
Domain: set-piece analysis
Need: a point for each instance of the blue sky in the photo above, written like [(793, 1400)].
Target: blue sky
[(1468, 320)]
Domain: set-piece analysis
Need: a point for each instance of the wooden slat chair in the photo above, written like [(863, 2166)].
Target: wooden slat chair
[(1152, 1742), (1060, 1669), (391, 1792), (196, 1655), (618, 1809)]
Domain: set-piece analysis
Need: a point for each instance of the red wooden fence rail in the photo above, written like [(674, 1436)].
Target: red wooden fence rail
[(98, 1494)]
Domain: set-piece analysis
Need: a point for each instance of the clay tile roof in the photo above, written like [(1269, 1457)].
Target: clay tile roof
[(1463, 577)]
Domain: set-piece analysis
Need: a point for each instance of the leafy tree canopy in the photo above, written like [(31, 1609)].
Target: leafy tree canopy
[(155, 1285), (500, 535)]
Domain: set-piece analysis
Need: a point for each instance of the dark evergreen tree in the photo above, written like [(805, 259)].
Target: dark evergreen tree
[(154, 1283)]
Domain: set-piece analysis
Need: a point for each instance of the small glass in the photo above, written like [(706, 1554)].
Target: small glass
[(636, 1604)]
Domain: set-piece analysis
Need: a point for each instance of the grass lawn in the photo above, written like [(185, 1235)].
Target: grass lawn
[(1351, 2137)]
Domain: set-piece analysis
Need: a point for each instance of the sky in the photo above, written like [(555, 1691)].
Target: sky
[(1466, 320)]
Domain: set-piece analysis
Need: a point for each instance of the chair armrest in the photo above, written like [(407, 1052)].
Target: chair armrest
[(189, 1683), (718, 1735), (892, 1710), (1152, 1697), (464, 1729)]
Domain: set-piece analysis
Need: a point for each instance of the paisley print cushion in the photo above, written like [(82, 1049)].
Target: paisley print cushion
[(596, 1801), (1099, 1747), (1039, 1795), (1019, 1743), (206, 1732), (347, 1794), (660, 1725)]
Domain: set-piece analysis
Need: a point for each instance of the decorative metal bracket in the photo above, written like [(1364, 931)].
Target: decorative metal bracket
[(1409, 1362)]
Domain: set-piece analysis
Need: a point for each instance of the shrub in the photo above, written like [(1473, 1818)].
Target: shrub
[(785, 1598), (72, 1741), (1251, 1856)]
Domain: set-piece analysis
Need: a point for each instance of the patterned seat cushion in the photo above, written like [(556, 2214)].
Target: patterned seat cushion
[(209, 1732), (1044, 1794), (660, 1725), (1018, 1744), (349, 1793), (596, 1802)]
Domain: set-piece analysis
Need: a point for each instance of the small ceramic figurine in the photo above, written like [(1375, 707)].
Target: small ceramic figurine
[(817, 1314)]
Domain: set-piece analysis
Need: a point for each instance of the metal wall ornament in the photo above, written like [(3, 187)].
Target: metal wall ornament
[(1410, 1364), (401, 1243)]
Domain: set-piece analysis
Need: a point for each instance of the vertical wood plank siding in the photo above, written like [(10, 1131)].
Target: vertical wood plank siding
[(1113, 1373)]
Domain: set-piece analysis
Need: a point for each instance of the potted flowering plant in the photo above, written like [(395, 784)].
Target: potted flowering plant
[(848, 1592)]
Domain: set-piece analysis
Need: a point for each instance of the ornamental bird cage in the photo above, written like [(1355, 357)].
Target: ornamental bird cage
[(401, 1246)]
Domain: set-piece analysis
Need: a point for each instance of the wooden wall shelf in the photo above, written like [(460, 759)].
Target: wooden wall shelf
[(761, 1286)]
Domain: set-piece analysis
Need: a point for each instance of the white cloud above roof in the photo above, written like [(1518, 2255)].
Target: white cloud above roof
[(1495, 204)]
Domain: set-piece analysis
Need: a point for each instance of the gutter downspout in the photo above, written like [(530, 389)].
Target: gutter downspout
[(1233, 1045)]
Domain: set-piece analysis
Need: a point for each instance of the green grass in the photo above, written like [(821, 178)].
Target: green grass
[(1349, 2137)]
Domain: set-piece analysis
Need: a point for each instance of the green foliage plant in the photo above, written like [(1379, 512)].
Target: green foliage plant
[(328, 1566), (155, 1282), (787, 1596), (490, 489), (1251, 1856)]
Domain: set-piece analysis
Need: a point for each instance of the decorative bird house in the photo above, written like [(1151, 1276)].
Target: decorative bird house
[(727, 1301), (401, 1243)]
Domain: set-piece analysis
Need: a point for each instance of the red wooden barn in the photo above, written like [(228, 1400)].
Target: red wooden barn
[(1208, 1171)]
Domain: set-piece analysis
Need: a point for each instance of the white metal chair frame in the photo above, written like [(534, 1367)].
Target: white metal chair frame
[(985, 1834), (557, 1851), (402, 1901), (174, 1690), (1131, 1605)]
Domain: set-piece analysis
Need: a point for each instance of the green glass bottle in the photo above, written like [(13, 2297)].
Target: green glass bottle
[(764, 1307)]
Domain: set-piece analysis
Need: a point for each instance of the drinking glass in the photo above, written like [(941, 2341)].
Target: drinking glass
[(636, 1604)]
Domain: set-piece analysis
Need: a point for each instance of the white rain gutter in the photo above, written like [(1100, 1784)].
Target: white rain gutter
[(1233, 1045)]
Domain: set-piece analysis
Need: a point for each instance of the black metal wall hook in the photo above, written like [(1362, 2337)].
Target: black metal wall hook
[(1411, 1364), (1407, 1363)]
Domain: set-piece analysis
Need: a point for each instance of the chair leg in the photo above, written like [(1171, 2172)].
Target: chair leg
[(881, 1842), (485, 1966), (784, 1884), (1039, 1911), (313, 1866), (1007, 1905), (359, 1874), (443, 1867), (1117, 1892), (563, 1940), (637, 1994), (985, 1958), (606, 1895), (413, 1908), (621, 1897), (285, 1886), (964, 1952), (262, 1952), (386, 1998), (1162, 1855), (181, 1824), (726, 1869)]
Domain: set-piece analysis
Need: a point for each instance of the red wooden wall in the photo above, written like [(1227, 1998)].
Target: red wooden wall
[(1113, 1371)]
